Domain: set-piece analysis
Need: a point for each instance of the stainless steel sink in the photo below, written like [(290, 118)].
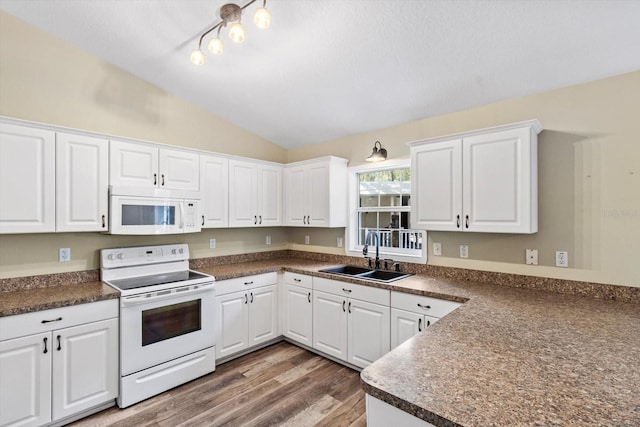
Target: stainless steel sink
[(366, 273)]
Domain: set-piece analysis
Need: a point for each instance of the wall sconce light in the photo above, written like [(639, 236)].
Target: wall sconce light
[(231, 13), (378, 154)]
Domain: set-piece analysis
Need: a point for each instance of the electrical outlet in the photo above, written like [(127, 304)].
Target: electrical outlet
[(306, 240), (268, 240), (562, 259), (212, 243), (339, 242), (65, 254), (464, 251), (531, 256), (437, 249)]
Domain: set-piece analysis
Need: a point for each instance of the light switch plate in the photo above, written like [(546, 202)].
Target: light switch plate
[(437, 249)]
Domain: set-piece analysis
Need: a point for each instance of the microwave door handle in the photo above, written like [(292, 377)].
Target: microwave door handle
[(181, 215)]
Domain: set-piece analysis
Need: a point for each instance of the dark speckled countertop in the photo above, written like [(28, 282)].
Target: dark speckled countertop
[(506, 357)]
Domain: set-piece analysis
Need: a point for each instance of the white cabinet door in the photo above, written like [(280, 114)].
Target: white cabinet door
[(243, 181), (232, 311), (330, 324), (214, 188), (263, 319), (133, 164), (498, 182), (436, 186), (82, 183), (404, 325), (269, 195), (27, 186), (295, 195), (25, 372), (318, 196), (85, 367), (298, 314), (369, 335), (179, 170)]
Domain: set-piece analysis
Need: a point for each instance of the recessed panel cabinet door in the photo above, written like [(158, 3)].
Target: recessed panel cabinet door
[(25, 372), (85, 367), (243, 191), (369, 335), (133, 165), (270, 195), (296, 198), (82, 183), (179, 170), (263, 320), (214, 188), (232, 311), (318, 195), (330, 324), (298, 314), (404, 325), (27, 184)]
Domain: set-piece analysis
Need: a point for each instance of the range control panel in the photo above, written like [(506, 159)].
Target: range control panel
[(143, 255)]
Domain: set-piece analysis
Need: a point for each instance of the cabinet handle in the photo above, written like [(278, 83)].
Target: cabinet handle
[(59, 346), (426, 307), (251, 297), (245, 298), (255, 220), (260, 216), (162, 179), (458, 221), (308, 219), (466, 221), (52, 320), (203, 220), (155, 179), (45, 345), (297, 280), (346, 290), (420, 325), (343, 309), (309, 297), (249, 283), (428, 322), (349, 307), (104, 222)]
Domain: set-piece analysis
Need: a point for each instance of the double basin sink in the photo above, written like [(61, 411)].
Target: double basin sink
[(366, 273)]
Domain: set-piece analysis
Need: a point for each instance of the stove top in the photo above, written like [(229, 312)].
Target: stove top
[(174, 278)]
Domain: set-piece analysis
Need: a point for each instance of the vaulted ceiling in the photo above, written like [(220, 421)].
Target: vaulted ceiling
[(332, 68)]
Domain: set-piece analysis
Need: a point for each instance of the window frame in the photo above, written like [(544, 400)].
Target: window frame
[(351, 231)]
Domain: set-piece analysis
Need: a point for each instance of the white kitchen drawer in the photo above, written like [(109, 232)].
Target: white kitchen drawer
[(424, 305), (298, 279), (350, 290), (32, 323), (228, 286)]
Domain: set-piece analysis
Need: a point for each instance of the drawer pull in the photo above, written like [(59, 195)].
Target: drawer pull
[(249, 283), (52, 320), (297, 280), (346, 290), (426, 307)]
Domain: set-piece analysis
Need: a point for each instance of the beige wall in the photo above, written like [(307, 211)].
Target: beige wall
[(589, 180), (589, 163)]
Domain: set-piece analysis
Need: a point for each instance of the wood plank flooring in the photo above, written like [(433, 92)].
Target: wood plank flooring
[(281, 385)]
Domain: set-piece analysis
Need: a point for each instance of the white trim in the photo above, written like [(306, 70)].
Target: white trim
[(351, 229)]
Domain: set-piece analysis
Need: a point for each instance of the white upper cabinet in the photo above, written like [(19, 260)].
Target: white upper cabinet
[(255, 194), (316, 193), (214, 189), (27, 183), (82, 183), (141, 165), (484, 181)]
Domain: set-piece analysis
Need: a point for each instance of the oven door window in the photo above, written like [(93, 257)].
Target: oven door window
[(170, 321), (148, 215)]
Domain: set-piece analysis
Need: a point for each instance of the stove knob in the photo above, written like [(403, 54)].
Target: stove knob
[(110, 257), (173, 251), (181, 250), (120, 255)]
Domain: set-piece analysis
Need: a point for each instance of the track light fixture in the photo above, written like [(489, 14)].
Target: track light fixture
[(378, 154), (231, 14)]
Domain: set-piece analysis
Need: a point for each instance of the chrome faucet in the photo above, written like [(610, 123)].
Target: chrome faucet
[(365, 249)]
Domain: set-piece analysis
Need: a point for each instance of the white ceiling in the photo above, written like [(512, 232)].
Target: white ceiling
[(332, 68)]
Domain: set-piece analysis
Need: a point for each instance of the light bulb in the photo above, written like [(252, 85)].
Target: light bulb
[(197, 57), (262, 18), (236, 33), (215, 46)]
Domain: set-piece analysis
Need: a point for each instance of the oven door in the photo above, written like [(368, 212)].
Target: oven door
[(160, 326)]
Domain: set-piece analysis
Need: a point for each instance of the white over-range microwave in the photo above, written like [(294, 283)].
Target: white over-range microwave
[(153, 211)]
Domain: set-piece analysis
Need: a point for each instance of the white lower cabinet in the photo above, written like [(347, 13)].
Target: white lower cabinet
[(247, 313), (411, 314), (381, 414), (57, 373), (298, 307), (350, 322)]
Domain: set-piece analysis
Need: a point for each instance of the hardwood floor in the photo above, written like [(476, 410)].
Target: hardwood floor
[(281, 385)]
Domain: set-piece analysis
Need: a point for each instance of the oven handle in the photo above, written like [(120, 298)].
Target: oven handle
[(162, 295)]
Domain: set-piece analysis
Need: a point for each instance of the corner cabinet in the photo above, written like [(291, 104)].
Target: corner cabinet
[(148, 166), (316, 193), (27, 186), (483, 181), (255, 194), (59, 362)]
